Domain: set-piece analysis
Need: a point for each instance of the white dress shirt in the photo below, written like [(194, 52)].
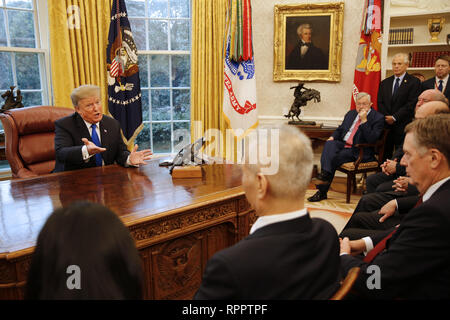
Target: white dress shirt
[(274, 218)]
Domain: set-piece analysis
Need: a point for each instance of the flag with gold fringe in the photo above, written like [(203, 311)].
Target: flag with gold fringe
[(368, 61), (239, 100), (124, 88)]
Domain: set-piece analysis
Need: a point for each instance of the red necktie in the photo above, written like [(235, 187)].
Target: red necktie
[(382, 244), (349, 142)]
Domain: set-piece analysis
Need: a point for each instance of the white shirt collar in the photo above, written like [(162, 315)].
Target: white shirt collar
[(274, 218), (432, 189), (400, 76), (88, 124), (444, 81)]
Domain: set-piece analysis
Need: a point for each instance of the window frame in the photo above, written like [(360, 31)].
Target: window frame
[(169, 52), (42, 45)]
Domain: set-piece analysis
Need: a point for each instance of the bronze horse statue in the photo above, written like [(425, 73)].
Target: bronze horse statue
[(301, 98), (11, 102)]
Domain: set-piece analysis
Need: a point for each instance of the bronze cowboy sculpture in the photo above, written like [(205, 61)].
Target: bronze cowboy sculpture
[(11, 102), (302, 96)]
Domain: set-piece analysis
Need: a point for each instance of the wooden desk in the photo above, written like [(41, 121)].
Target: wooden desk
[(177, 224)]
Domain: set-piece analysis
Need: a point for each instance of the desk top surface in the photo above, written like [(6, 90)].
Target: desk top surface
[(135, 194)]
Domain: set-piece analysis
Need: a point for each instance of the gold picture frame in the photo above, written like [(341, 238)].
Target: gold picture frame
[(326, 21)]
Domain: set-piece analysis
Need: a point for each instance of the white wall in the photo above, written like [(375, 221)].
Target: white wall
[(274, 98)]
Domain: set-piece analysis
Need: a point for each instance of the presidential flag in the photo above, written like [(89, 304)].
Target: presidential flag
[(239, 99), (368, 60), (124, 89)]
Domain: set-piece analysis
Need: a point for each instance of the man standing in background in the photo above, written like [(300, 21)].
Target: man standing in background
[(397, 96)]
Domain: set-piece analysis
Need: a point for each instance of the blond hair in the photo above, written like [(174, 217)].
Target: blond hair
[(84, 91)]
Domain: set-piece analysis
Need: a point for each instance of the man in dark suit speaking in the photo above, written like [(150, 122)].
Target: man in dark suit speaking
[(412, 261), (288, 254), (305, 56), (88, 138), (397, 97), (362, 125)]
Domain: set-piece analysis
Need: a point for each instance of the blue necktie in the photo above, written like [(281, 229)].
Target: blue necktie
[(440, 86), (397, 84), (96, 140)]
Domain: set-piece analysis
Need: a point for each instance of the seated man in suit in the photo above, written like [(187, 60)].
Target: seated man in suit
[(362, 125), (288, 255), (412, 260), (305, 55), (88, 138), (440, 81), (397, 96), (373, 209), (391, 168)]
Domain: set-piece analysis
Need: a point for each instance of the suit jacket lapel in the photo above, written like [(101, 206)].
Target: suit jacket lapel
[(103, 133), (402, 86), (388, 88), (446, 90), (348, 121), (442, 188), (79, 122)]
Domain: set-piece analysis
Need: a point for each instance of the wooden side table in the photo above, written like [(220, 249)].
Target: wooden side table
[(318, 135)]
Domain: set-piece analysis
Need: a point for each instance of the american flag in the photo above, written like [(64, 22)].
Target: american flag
[(116, 68)]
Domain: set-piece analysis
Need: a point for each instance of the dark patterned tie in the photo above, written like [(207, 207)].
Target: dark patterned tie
[(96, 140), (397, 84), (440, 87)]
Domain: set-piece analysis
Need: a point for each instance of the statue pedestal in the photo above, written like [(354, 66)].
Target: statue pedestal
[(306, 124)]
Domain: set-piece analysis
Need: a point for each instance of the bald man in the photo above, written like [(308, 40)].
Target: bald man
[(391, 168)]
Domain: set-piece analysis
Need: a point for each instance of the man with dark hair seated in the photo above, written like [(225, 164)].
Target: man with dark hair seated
[(362, 125)]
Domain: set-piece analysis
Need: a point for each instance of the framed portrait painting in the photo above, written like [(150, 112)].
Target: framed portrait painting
[(308, 42)]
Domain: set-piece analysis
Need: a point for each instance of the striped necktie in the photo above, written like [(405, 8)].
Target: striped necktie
[(349, 142)]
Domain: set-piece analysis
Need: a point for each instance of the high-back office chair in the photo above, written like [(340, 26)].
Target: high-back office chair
[(29, 139)]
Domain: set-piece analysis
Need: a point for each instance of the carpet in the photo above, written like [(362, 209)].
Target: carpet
[(334, 209)]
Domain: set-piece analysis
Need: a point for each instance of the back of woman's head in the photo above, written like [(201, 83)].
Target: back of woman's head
[(85, 252)]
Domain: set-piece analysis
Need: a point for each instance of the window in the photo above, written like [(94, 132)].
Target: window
[(24, 58), (162, 32), (23, 50)]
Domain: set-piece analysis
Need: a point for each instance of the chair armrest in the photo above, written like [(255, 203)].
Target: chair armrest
[(24, 173)]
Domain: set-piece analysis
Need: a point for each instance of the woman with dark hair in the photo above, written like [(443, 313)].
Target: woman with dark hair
[(84, 252)]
